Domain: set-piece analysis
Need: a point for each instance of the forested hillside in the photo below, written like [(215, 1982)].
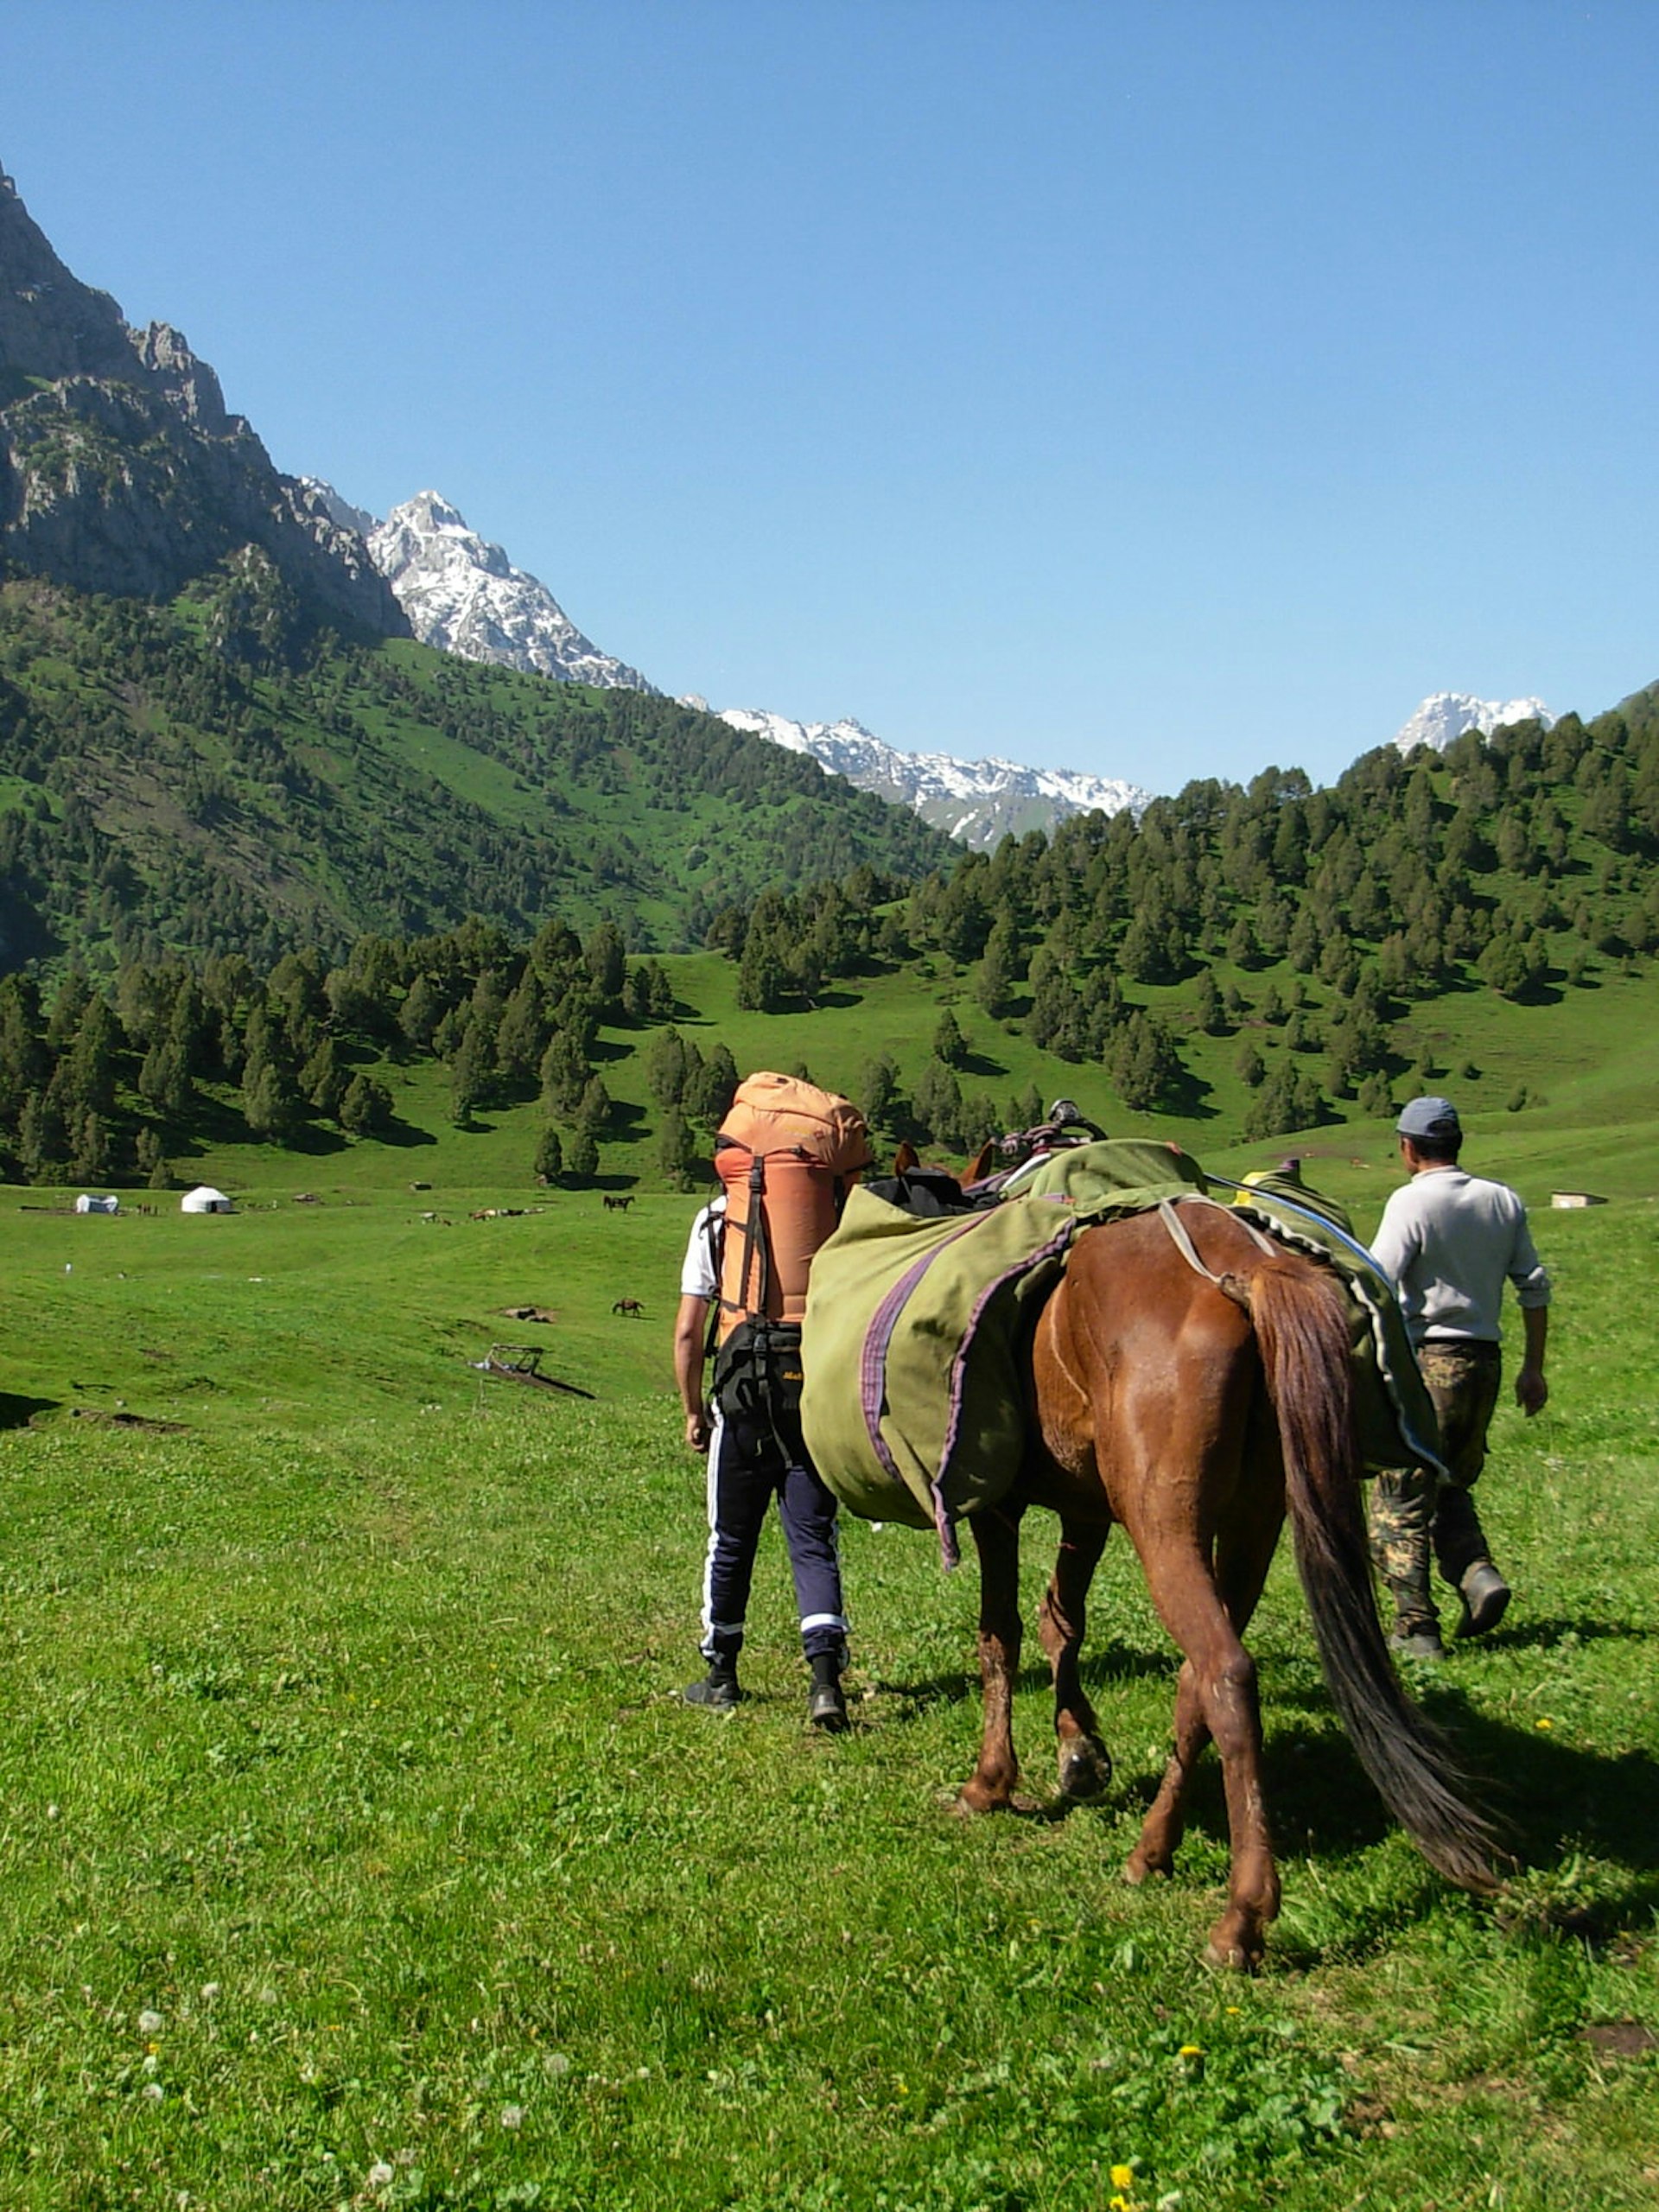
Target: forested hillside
[(1262, 960), (1309, 924), (215, 777)]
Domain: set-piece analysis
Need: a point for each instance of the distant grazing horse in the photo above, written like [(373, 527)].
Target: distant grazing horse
[(627, 1306), (614, 1205), (1190, 1399)]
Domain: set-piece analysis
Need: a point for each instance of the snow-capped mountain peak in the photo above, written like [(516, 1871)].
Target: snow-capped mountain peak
[(463, 595), (1446, 716), (977, 801)]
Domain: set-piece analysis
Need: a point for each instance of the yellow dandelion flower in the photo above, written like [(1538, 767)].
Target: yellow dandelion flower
[(1191, 2050), (1123, 2177), (1543, 1723)]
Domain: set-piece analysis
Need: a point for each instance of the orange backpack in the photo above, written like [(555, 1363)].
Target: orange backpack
[(786, 1153)]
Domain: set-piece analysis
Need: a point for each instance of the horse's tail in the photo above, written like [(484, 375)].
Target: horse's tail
[(1301, 1331)]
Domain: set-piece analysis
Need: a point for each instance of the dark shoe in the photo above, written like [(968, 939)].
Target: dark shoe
[(1485, 1595), (1422, 1643), (718, 1689), (826, 1707)]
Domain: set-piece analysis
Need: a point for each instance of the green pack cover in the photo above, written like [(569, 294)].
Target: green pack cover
[(914, 1404), (943, 1376)]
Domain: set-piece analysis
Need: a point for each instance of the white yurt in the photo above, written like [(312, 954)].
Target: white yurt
[(98, 1201), (204, 1199)]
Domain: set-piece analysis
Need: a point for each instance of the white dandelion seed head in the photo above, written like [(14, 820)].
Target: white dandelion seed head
[(513, 2115), (209, 1991), (380, 2175), (155, 2092), (149, 2024), (555, 2063)]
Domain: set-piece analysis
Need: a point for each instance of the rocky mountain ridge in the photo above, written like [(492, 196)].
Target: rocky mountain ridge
[(977, 802), (122, 472), (461, 592)]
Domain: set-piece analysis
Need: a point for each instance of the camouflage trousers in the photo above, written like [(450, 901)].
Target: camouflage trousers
[(1413, 1511)]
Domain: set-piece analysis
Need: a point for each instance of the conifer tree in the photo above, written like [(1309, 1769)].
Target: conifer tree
[(422, 1011), (271, 1103), (674, 1151), (710, 1089), (548, 1164), (594, 1110), (950, 1046), (365, 1110), (565, 1072), (472, 1066)]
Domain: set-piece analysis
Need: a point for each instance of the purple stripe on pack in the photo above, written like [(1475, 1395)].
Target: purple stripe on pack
[(873, 1366)]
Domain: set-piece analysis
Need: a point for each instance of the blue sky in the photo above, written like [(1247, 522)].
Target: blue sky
[(1162, 389)]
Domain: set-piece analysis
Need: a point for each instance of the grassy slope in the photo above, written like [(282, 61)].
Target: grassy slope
[(354, 1704), (1589, 1063), (599, 797), (351, 1806)]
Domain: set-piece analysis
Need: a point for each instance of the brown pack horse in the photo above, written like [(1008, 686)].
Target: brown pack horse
[(1192, 1407)]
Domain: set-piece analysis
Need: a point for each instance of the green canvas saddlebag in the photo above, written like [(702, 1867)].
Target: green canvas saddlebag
[(914, 1344)]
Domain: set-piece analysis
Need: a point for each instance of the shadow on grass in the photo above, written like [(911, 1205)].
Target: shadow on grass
[(1546, 1635), (405, 1135), (1556, 1803), (313, 1141), (981, 1065), (1101, 1671), (17, 1413)]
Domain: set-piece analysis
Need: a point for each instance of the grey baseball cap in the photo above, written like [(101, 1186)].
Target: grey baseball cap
[(1429, 1117)]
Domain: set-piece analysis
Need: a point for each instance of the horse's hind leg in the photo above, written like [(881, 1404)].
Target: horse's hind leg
[(996, 1537), (1086, 1764), (1165, 1823), (1216, 1698)]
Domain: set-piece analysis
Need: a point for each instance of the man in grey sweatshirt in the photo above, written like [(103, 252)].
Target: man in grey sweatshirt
[(1449, 1240)]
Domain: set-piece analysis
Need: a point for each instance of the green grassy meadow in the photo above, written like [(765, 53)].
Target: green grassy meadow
[(358, 1850)]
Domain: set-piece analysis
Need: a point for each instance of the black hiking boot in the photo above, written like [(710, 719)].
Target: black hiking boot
[(718, 1689), (826, 1705), (1485, 1595)]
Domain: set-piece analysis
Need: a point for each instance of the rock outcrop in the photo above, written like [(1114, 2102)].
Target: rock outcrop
[(121, 469)]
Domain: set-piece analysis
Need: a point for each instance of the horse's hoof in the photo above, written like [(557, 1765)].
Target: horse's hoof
[(1139, 1868), (1232, 1957), (970, 1801), (1085, 1773)]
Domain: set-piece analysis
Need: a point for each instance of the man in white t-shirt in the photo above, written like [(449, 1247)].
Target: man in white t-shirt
[(753, 1457), (1450, 1241)]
